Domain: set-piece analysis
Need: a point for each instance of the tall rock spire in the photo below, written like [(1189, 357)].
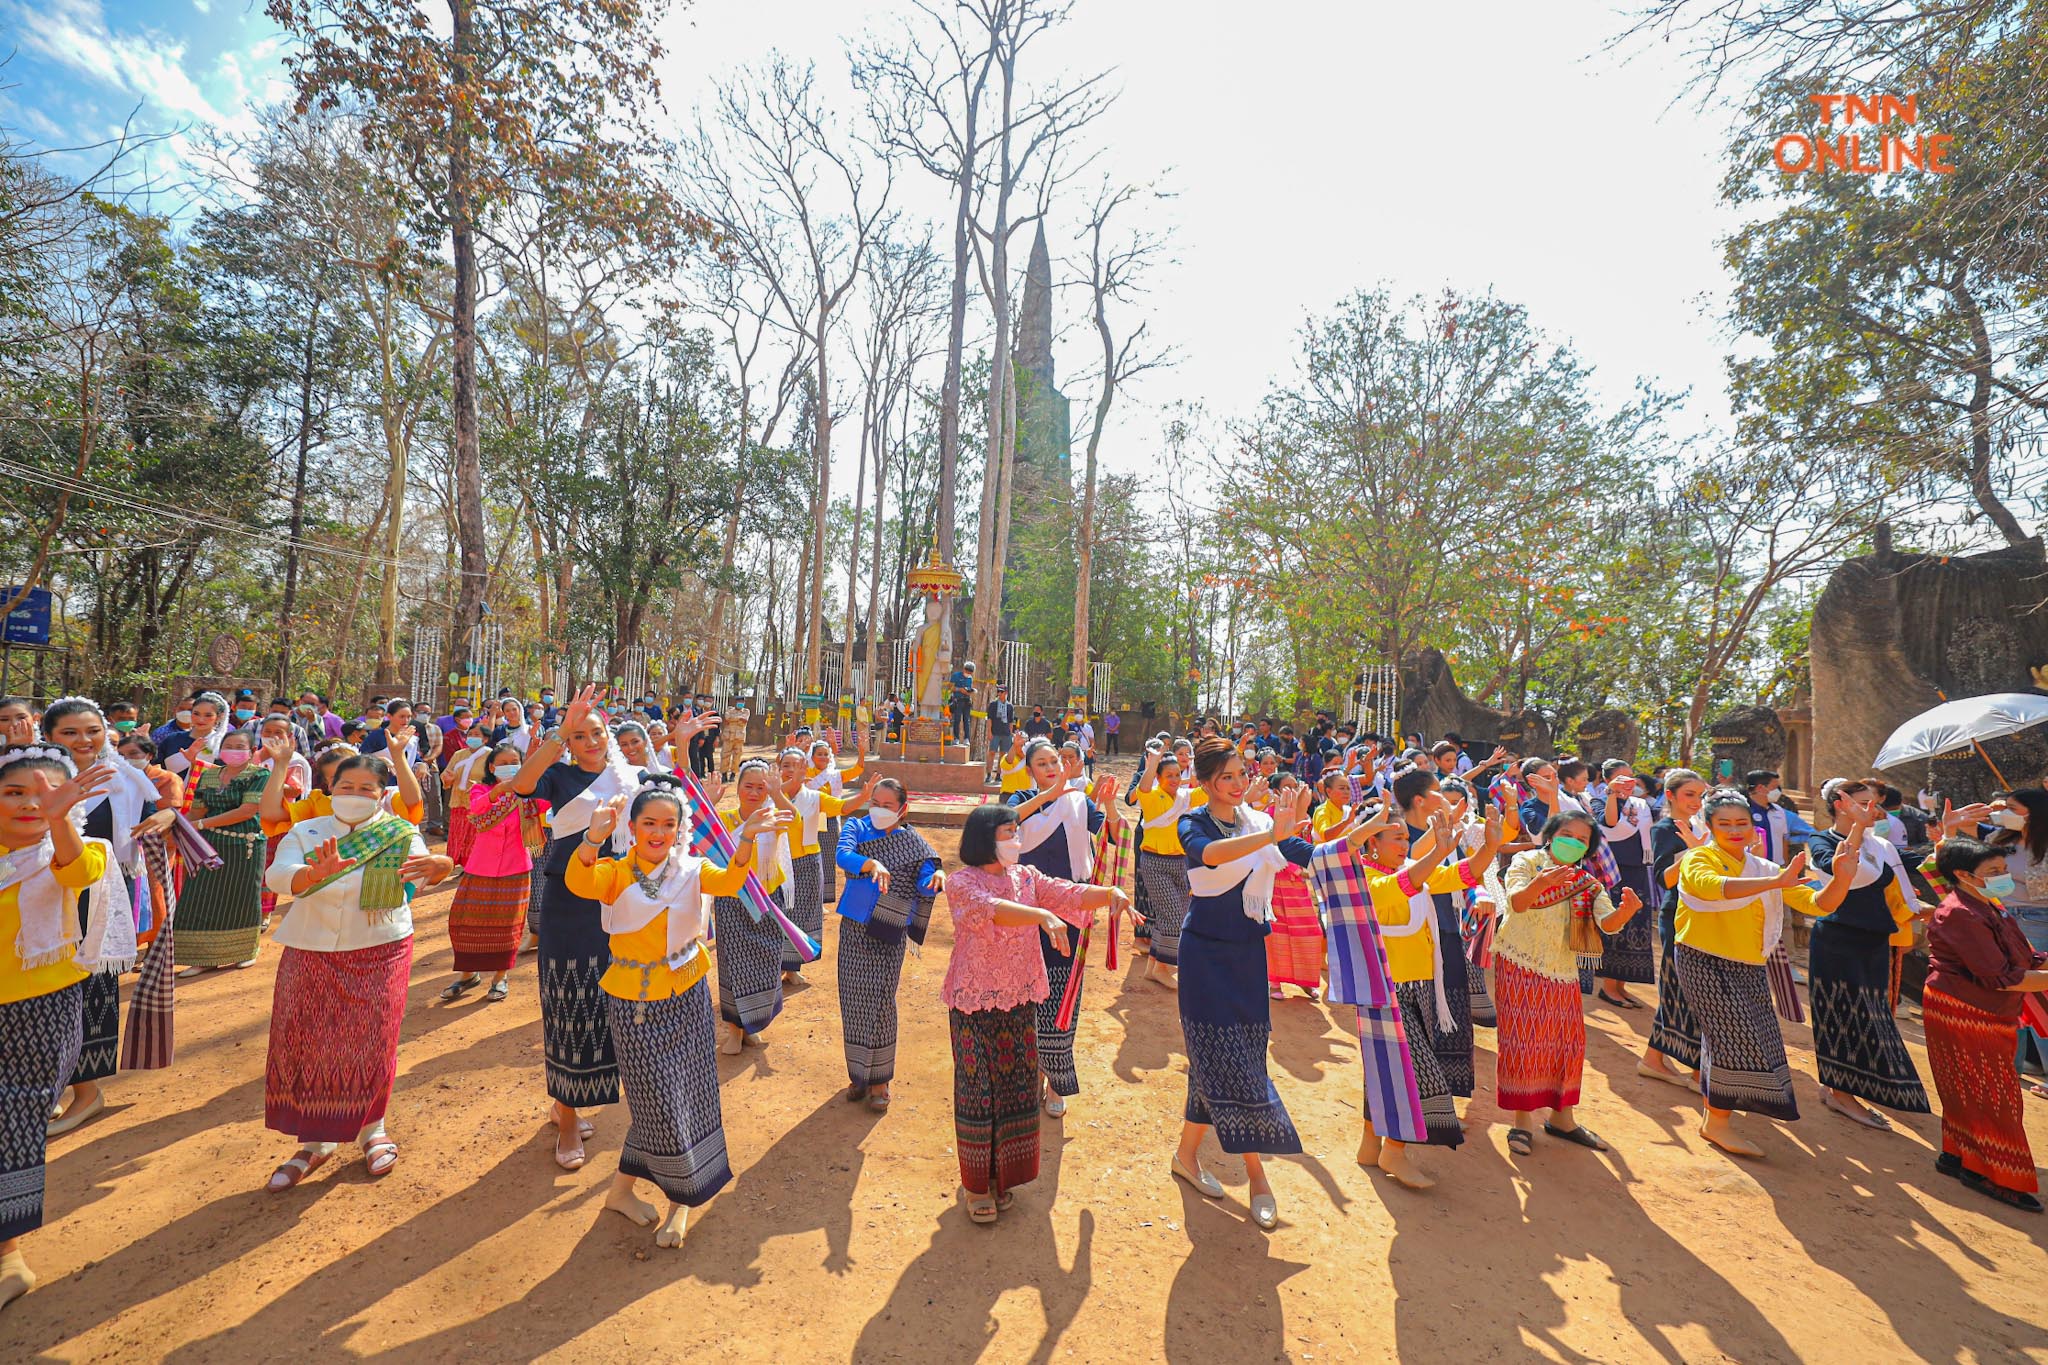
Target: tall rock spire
[(1034, 320)]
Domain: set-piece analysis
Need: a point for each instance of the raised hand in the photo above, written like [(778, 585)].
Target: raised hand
[(277, 749), (59, 797), (579, 707), (692, 725), (713, 786), (1257, 795), (605, 819), (1556, 875), (327, 863), (425, 868), (1630, 901), (1795, 871), (1297, 810)]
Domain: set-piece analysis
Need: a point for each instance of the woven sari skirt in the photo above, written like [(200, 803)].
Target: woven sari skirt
[(668, 1066), (220, 913), (806, 903), (1226, 1022), (39, 1042), (99, 1055), (1056, 1044), (1674, 1032), (995, 1097), (750, 958), (1631, 955), (269, 897), (1970, 1052), (150, 1041), (575, 1025), (334, 1024), (1294, 945), (869, 971), (1164, 876), (1742, 1053), (828, 870), (1855, 1039), (487, 921), (1418, 1021), (539, 885), (461, 833), (1542, 1043)]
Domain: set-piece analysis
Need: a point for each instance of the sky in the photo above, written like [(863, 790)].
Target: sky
[(1313, 147)]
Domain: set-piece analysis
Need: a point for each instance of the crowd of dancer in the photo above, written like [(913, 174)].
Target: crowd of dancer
[(673, 891)]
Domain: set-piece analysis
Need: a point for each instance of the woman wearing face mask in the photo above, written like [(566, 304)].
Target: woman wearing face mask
[(892, 878), (1982, 973), (46, 957), (1164, 796), (1731, 914), (220, 910), (750, 950), (489, 914), (339, 1000), (1674, 1033), (121, 814), (466, 768), (993, 981), (1856, 1045), (1557, 912)]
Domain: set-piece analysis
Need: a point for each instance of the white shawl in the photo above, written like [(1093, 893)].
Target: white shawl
[(1774, 901), (1068, 813), (49, 931), (1635, 819), (616, 778), (1170, 817), (682, 898), (1254, 871), (129, 792)]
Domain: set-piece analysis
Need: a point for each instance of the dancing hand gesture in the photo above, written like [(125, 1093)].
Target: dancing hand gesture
[(277, 749), (59, 797), (692, 725), (327, 863), (579, 707), (605, 819), (1795, 871), (1630, 901)]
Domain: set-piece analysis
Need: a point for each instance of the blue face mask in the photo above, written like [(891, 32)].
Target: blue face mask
[(2001, 886), (245, 713)]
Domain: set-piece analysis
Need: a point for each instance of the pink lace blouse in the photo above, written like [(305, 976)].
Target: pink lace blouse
[(499, 851), (1000, 966)]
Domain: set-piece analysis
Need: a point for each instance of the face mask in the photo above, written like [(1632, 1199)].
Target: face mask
[(123, 726), (1773, 796), (233, 758), (884, 819), (1566, 849), (2000, 887), (353, 810), (184, 718), (472, 741), (547, 699), (138, 762), (2009, 819), (1008, 852), (245, 713), (504, 772)]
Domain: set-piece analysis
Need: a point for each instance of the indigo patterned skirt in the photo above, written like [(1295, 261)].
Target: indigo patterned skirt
[(1970, 1052), (1418, 1020), (869, 971), (539, 886), (1742, 1053), (39, 1042), (668, 1065), (1226, 1021), (828, 870), (995, 1097), (750, 957), (1631, 954), (1674, 1032), (1056, 1044), (99, 1055), (1856, 1041), (1164, 877), (334, 1025), (806, 902), (575, 1023)]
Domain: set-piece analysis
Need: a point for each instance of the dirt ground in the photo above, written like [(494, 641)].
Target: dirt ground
[(842, 1239)]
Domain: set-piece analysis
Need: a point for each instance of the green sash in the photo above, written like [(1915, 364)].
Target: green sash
[(378, 850)]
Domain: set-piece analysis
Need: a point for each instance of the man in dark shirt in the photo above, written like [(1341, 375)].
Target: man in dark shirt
[(1038, 726), (1002, 722)]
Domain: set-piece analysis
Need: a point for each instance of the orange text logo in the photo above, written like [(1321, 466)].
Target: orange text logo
[(1885, 151)]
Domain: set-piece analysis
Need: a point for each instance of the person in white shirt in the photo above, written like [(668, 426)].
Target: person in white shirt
[(339, 998)]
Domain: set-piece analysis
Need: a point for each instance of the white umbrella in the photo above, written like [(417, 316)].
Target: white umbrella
[(1963, 722)]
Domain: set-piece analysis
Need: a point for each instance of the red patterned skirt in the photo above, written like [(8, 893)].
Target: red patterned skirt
[(487, 921), (269, 857), (1294, 945), (1970, 1052), (334, 1024), (1541, 1046), (461, 834), (995, 1097)]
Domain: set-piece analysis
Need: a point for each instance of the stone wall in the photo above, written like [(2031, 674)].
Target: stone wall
[(1608, 734), (1432, 704)]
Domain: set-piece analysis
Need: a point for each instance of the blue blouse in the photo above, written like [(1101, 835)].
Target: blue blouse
[(1223, 917)]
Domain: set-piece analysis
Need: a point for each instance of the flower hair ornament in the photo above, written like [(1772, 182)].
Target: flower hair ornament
[(53, 753)]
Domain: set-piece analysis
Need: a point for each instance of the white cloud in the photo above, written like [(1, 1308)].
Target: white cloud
[(203, 6), (75, 33)]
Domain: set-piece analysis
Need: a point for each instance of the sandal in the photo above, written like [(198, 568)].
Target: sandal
[(1521, 1141), (462, 986), (1005, 1199), (291, 1172), (498, 992), (856, 1093), (1582, 1135), (2018, 1199), (380, 1153), (880, 1104), (1627, 1002), (981, 1208)]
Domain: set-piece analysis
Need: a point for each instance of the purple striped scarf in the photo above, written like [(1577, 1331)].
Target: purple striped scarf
[(1358, 976), (709, 838)]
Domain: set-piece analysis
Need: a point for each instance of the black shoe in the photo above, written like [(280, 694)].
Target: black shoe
[(2018, 1199), (1949, 1164)]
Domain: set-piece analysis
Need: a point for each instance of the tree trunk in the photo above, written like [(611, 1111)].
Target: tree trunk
[(876, 664), (1085, 534), (469, 494), (821, 445), (956, 335), (298, 515), (860, 493), (1979, 470)]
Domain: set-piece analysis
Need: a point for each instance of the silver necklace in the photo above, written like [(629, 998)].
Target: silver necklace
[(652, 884)]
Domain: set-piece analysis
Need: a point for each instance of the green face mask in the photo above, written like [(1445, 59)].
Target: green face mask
[(1566, 849)]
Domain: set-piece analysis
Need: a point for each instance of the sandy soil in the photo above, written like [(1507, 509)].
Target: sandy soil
[(842, 1238)]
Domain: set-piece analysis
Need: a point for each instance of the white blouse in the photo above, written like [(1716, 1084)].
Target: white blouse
[(332, 919)]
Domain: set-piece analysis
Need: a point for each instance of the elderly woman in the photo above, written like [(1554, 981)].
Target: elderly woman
[(993, 982)]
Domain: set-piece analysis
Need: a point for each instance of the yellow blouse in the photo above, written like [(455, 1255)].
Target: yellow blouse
[(1327, 817), (1736, 934), (16, 983), (770, 872), (1412, 957), (1155, 803), (806, 841), (317, 805), (1016, 778), (604, 881)]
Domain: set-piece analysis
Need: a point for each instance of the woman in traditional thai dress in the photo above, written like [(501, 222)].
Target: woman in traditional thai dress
[(994, 980), (1165, 794), (298, 781), (1233, 853), (1558, 912), (1674, 1033), (751, 949), (892, 878), (657, 998), (1982, 971), (1294, 947), (1626, 828), (462, 773), (46, 956), (339, 999), (1731, 915), (1444, 994), (806, 893), (220, 910), (489, 913), (123, 813), (210, 726)]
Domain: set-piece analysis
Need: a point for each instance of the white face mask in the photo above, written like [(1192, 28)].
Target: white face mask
[(1774, 795), (504, 772), (1008, 851), (353, 810), (2009, 819), (184, 718), (138, 762), (884, 819)]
